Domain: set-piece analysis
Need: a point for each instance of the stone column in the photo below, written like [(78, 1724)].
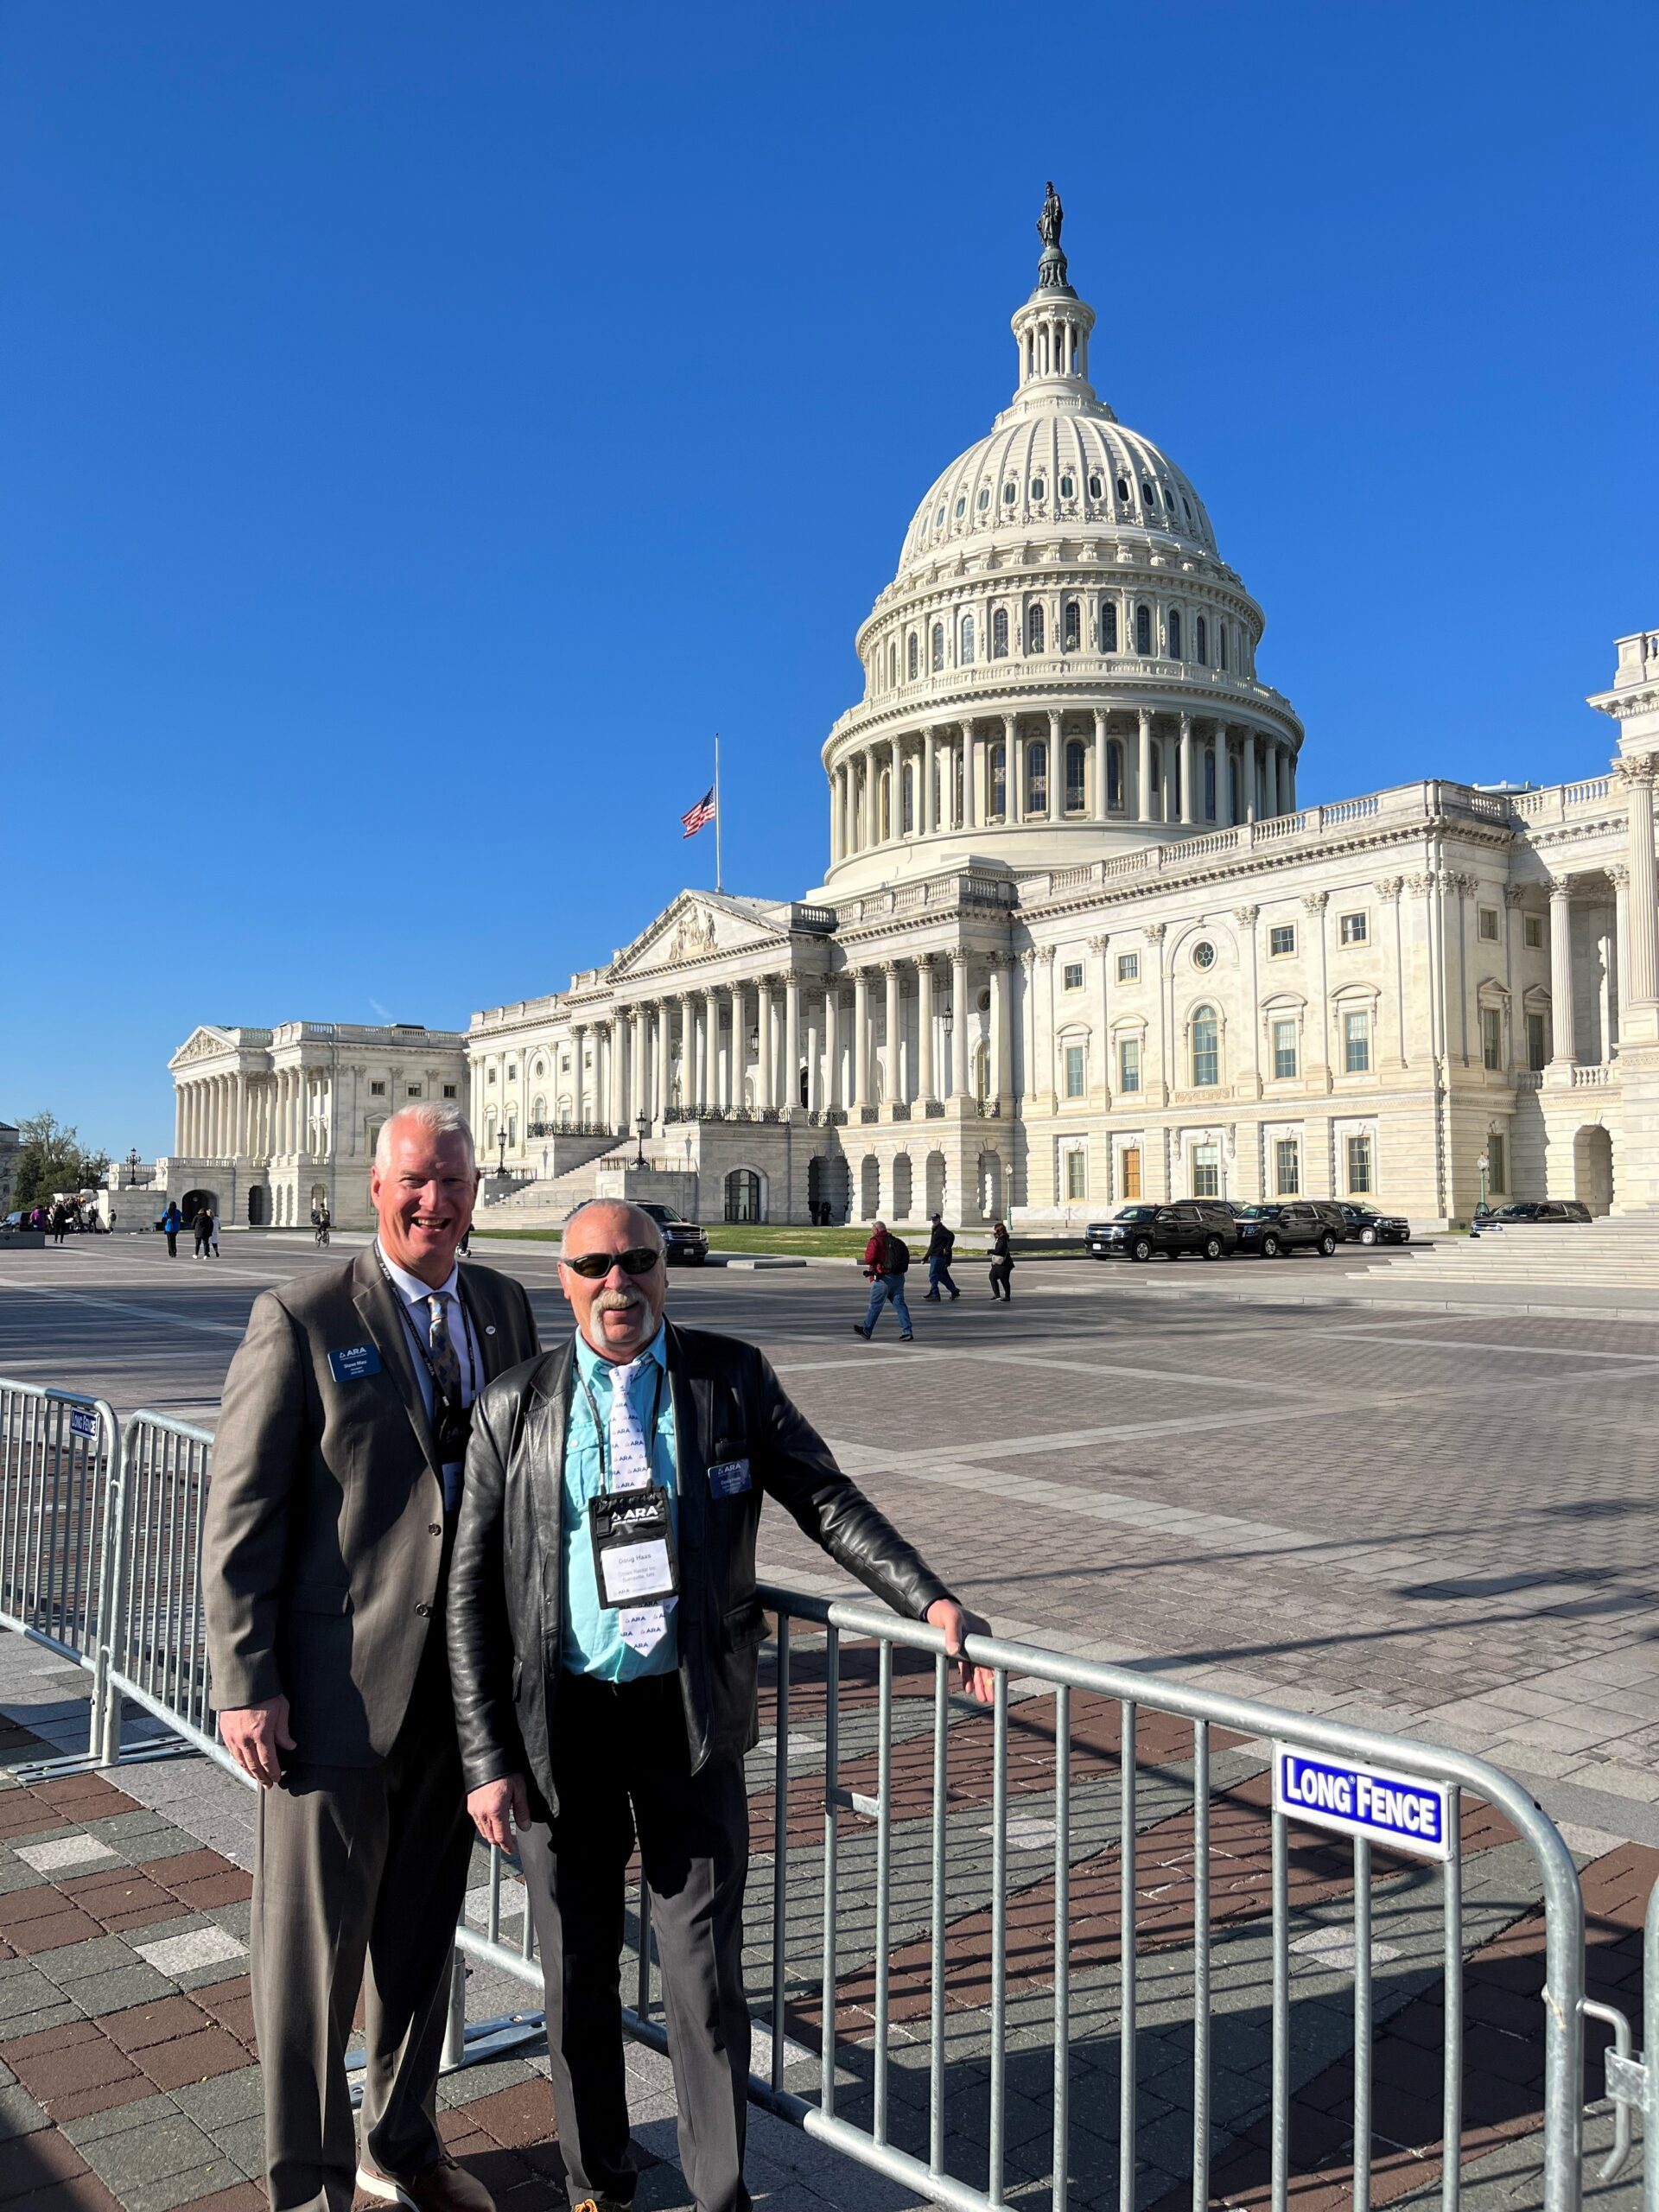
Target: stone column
[(926, 813), (1100, 763), (765, 1027), (579, 1057), (1143, 769), (1056, 767), (1218, 761), (925, 1091), (664, 1019), (1290, 777), (890, 971), (959, 1025), (1563, 1043), (998, 967), (860, 1039), (866, 800), (971, 798), (639, 1064), (791, 1043), (1636, 778), (1620, 876), (832, 1098), (1189, 810), (1014, 797), (178, 1121), (1248, 778)]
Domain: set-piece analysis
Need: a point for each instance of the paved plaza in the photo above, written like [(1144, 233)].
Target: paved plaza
[(1438, 1523)]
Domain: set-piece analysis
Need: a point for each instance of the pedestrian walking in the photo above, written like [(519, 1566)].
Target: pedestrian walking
[(887, 1258), (60, 1221), (941, 1246), (202, 1223), (1001, 1262), (172, 1222), (595, 1708), (331, 1519)]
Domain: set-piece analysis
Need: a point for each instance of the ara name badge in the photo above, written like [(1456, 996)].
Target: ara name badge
[(1325, 1790)]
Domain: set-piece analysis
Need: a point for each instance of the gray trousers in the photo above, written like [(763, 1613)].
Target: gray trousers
[(621, 1770), (358, 1880)]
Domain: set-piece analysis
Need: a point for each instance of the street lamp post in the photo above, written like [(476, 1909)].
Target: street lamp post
[(501, 1156), (643, 1125), (1483, 1163)]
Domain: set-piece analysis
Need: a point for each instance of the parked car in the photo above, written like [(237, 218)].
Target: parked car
[(1367, 1226), (682, 1240), (1136, 1232), (1290, 1225), (1527, 1209)]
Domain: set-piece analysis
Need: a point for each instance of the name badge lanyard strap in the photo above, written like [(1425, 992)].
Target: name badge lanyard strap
[(599, 1429), (421, 1351)]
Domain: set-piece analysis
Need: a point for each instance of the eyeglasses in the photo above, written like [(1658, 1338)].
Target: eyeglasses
[(595, 1265)]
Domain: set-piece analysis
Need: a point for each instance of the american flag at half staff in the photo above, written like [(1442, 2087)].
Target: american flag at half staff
[(700, 816)]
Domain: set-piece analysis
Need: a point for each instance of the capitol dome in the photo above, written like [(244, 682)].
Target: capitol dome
[(1063, 665)]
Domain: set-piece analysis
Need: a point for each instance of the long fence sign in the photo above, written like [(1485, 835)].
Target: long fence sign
[(1401, 1810)]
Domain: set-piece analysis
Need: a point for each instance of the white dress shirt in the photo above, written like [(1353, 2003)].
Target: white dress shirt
[(414, 1293)]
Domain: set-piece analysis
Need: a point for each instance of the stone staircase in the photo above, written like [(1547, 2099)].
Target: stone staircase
[(1620, 1252), (549, 1201)]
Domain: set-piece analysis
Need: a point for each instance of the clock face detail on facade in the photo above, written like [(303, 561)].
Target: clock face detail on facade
[(1010, 994)]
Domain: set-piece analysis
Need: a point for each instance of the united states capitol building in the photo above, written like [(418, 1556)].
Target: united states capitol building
[(1077, 941)]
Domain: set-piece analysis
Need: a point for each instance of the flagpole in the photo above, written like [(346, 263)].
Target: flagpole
[(718, 886)]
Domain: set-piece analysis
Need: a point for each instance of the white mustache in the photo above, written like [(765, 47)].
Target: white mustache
[(617, 1301)]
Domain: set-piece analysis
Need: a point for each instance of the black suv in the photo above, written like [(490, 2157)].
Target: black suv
[(1367, 1226), (682, 1240), (1136, 1232), (1537, 1210), (1291, 1224)]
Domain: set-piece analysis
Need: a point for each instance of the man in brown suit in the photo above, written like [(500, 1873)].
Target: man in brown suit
[(331, 1514)]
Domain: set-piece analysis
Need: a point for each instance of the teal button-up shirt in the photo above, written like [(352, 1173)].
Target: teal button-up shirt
[(593, 1641)]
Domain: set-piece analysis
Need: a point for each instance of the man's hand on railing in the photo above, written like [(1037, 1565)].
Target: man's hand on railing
[(958, 1624), (498, 1808), (253, 1735)]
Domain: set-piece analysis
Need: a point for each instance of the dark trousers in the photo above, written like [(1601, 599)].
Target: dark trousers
[(1002, 1278), (358, 1880), (172, 1243), (938, 1278), (621, 1770)]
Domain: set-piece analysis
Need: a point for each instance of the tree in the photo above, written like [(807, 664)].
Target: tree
[(50, 1158)]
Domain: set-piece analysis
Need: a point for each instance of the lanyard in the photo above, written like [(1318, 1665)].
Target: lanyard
[(599, 1429), (422, 1351)]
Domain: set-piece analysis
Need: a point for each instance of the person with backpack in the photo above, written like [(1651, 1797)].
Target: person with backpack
[(1001, 1262), (941, 1245), (887, 1258), (172, 1222)]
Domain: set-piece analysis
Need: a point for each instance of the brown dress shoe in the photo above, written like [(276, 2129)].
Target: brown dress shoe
[(441, 2187)]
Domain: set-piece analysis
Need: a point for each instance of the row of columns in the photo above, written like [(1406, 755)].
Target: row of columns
[(241, 1116), (1635, 928), (955, 767)]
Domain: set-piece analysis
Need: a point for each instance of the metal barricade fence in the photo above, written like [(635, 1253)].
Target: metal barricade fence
[(60, 1452), (891, 1832)]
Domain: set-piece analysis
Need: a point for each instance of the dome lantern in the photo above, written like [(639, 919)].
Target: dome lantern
[(1051, 330)]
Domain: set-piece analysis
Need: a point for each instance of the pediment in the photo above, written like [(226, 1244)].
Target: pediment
[(204, 1043), (699, 926)]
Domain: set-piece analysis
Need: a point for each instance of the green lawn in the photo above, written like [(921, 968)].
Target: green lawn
[(744, 1236)]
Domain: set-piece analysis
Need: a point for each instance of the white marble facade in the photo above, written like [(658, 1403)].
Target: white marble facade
[(1077, 941)]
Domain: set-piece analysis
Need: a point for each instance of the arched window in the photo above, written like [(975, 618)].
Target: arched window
[(892, 665), (1209, 785), (1035, 631), (1109, 626), (884, 817), (1206, 1048), (538, 1113), (742, 1195), (1114, 777), (1123, 489), (938, 647), (907, 802), (1097, 486), (999, 782), (1201, 641), (967, 641), (1143, 629), (1071, 625), (912, 657), (1036, 777), (1174, 628), (1000, 633), (1221, 644), (1147, 493), (1076, 775)]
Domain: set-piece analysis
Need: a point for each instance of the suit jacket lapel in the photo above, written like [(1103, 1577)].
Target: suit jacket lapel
[(692, 1413), (376, 1301), (496, 1351)]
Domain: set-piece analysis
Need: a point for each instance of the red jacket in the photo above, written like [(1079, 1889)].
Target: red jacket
[(875, 1254)]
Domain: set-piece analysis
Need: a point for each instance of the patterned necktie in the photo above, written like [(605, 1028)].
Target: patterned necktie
[(442, 1351), (642, 1628)]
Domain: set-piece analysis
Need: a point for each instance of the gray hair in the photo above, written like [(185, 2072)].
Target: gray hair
[(437, 1117), (627, 1206)]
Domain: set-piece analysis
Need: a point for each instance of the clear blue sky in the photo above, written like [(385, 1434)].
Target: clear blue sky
[(421, 425)]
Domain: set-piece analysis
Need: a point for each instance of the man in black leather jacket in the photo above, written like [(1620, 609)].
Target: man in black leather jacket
[(586, 1719)]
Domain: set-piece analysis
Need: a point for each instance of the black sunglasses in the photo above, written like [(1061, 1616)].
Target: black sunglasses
[(593, 1265)]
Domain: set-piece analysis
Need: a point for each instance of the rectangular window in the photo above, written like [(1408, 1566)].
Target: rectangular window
[(1129, 1063), (1129, 967), (1284, 1050), (1076, 1174), (1537, 1043), (1131, 1160), (1359, 1166), (1206, 1171), (413, 1090), (1288, 1166), (1281, 939), (449, 1090), (1353, 929), (1488, 923), (377, 1090), (1497, 1165), (489, 1075), (1071, 976), (1356, 1044), (1492, 1038), (1076, 1085), (1532, 931)]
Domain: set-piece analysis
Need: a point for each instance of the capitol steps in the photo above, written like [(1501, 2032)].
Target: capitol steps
[(548, 1203), (1615, 1253)]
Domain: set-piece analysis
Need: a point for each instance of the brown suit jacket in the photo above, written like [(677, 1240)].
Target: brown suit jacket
[(323, 1549)]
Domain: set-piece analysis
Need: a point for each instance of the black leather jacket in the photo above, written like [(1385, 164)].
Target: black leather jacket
[(506, 1585)]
